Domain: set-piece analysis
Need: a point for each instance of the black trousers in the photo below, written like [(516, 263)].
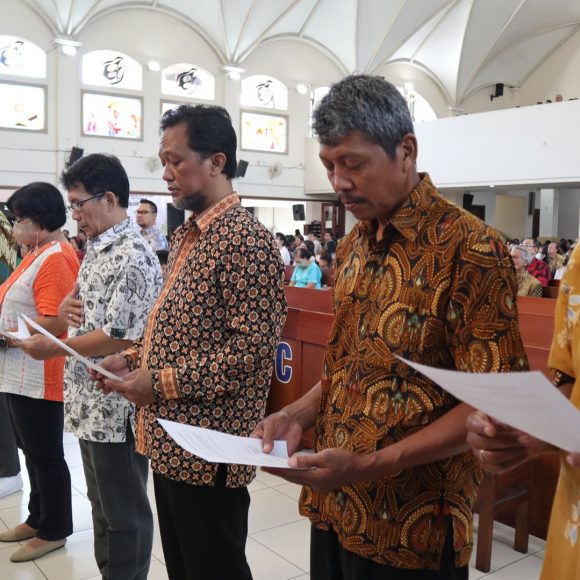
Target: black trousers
[(9, 462), (203, 529), (330, 561), (38, 426)]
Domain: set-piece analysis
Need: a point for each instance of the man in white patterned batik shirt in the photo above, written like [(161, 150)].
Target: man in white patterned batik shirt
[(117, 285)]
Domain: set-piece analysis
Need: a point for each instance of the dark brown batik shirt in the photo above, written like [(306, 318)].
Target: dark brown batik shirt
[(211, 338), (440, 289)]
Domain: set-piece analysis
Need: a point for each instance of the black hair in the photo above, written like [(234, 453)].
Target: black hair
[(304, 253), (150, 204), (98, 173), (40, 202), (209, 130), (326, 257), (310, 246)]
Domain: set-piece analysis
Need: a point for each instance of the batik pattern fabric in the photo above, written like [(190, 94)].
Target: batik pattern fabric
[(528, 285), (562, 556), (211, 338), (439, 289), (119, 281)]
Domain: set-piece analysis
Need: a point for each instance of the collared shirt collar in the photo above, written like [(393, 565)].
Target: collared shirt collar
[(205, 218), (407, 217), (108, 237)]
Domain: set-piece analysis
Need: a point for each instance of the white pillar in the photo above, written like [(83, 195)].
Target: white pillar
[(549, 201)]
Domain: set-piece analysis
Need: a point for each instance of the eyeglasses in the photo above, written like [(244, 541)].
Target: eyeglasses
[(76, 205)]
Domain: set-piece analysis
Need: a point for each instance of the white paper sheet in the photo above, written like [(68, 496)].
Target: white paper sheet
[(220, 447), (73, 352), (20, 334), (524, 400)]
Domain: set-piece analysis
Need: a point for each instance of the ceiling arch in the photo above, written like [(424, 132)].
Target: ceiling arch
[(464, 44)]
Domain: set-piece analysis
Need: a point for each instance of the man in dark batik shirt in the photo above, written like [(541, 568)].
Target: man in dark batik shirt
[(207, 355)]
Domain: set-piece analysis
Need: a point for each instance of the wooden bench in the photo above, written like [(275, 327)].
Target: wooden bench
[(326, 275)]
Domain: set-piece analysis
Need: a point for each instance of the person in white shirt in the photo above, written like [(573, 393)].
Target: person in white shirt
[(282, 246)]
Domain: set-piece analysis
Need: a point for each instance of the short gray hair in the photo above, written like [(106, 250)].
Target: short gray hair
[(526, 256), (368, 104)]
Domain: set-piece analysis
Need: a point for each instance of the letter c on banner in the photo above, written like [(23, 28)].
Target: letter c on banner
[(283, 356)]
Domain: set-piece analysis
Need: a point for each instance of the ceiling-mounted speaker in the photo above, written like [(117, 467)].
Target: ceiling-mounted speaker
[(75, 154), (531, 202), (498, 92), (298, 212), (241, 168), (467, 201)]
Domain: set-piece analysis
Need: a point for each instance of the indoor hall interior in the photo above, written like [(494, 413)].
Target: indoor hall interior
[(493, 90), (277, 546)]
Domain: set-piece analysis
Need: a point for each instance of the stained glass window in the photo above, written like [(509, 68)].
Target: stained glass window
[(264, 92), (109, 68), (112, 116), (188, 80), (263, 132), (22, 107), (21, 58)]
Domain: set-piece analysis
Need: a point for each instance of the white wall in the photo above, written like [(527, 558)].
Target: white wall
[(510, 216), (529, 145), (568, 213)]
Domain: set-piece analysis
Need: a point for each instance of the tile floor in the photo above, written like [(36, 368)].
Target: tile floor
[(277, 547)]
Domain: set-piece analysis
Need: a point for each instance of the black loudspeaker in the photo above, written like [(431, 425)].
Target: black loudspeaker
[(467, 201), (498, 92), (531, 202), (241, 168), (298, 212), (75, 154), (175, 217)]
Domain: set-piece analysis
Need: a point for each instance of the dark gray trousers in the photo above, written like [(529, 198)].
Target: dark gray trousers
[(123, 523)]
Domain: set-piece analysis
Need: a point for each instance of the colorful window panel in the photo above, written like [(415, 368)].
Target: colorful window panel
[(113, 116)]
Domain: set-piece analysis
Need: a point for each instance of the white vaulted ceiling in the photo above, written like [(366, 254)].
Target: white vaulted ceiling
[(463, 45)]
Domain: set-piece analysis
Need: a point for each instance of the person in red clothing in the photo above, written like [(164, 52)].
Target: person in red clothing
[(537, 268)]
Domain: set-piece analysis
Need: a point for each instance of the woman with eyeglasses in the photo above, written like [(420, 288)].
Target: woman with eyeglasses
[(34, 389)]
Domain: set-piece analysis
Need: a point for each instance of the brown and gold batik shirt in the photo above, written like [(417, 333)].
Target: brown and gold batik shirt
[(439, 289)]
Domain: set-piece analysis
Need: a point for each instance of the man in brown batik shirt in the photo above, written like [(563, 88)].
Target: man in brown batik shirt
[(392, 492), (207, 355)]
